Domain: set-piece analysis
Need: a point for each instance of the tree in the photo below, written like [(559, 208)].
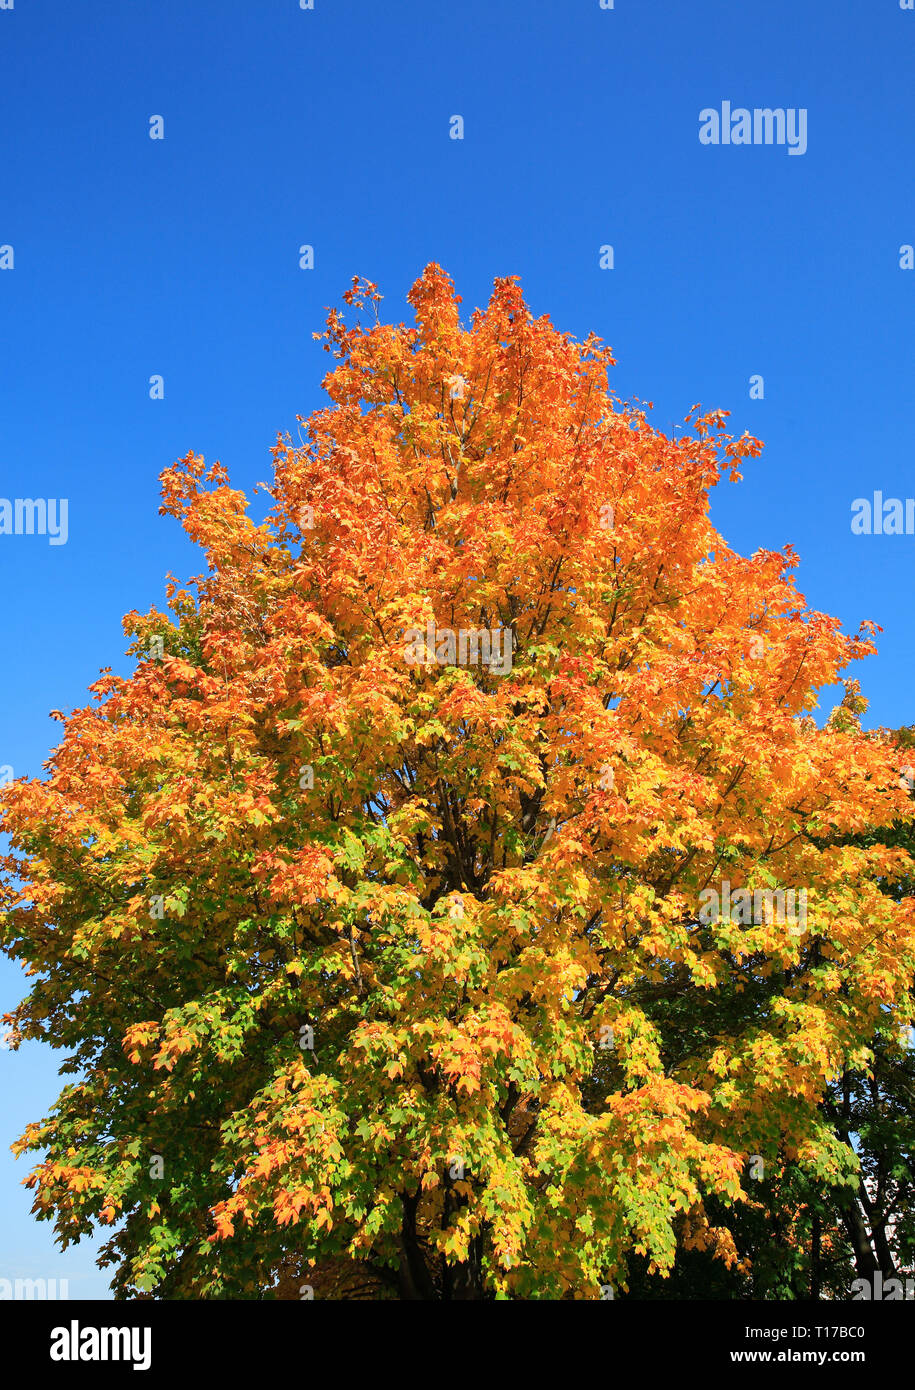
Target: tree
[(372, 909)]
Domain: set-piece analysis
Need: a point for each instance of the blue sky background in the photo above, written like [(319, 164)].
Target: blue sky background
[(331, 127)]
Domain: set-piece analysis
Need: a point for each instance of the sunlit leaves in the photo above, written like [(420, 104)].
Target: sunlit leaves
[(451, 879)]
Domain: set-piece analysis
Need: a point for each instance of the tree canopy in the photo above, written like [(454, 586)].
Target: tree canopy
[(379, 963)]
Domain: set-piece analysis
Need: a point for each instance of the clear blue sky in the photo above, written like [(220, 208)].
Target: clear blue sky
[(331, 127)]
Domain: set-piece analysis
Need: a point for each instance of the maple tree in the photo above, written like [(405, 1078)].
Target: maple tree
[(387, 976)]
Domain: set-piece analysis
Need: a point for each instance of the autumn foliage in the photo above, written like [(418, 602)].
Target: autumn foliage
[(397, 968)]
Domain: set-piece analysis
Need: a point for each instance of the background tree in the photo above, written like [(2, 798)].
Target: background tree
[(392, 970)]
